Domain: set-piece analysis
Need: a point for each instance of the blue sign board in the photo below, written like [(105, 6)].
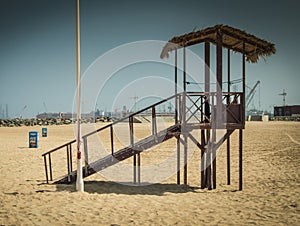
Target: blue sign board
[(33, 139), (44, 132)]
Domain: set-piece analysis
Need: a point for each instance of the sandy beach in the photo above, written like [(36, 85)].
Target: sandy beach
[(270, 196)]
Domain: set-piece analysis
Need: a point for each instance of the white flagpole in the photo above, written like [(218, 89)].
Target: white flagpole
[(79, 182)]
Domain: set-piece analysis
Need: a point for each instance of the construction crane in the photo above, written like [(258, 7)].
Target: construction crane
[(46, 109), (21, 112), (135, 100), (283, 94), (251, 93)]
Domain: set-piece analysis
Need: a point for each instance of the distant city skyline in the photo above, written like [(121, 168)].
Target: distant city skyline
[(37, 47)]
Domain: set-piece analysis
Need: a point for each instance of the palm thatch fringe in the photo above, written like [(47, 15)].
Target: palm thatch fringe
[(232, 38)]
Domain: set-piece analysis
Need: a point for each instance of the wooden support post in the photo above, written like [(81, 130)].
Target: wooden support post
[(176, 91), (228, 102), (185, 159), (214, 160), (243, 119), (184, 69), (228, 159), (202, 161), (184, 130), (178, 158), (218, 122), (228, 74), (240, 159), (177, 106), (207, 66), (181, 108), (219, 80), (139, 168), (244, 83), (208, 161), (134, 168)]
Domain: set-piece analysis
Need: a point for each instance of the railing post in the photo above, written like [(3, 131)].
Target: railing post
[(86, 156), (154, 125), (68, 164), (71, 163), (181, 108), (50, 166), (112, 139), (201, 108), (46, 168)]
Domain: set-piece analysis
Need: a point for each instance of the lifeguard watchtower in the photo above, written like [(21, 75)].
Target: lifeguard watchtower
[(227, 108), (213, 110)]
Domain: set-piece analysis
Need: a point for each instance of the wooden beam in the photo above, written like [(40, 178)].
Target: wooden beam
[(235, 49), (238, 43), (200, 146), (244, 39)]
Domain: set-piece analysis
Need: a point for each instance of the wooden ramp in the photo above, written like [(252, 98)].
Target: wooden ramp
[(123, 154)]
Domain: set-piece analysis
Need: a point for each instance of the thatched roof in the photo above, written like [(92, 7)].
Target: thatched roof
[(232, 38)]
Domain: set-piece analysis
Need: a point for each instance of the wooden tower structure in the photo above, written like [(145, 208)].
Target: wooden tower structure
[(226, 108)]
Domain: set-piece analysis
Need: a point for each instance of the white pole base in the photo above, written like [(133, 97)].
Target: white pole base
[(79, 180), (79, 185)]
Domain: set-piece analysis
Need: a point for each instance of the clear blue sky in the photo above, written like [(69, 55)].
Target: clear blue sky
[(37, 43)]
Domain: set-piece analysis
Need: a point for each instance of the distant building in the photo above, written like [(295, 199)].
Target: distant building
[(292, 110), (48, 115)]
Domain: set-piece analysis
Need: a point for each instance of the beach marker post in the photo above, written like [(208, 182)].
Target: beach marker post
[(44, 132), (79, 180), (33, 139)]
